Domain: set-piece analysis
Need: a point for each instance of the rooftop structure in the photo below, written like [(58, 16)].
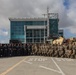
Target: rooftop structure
[(34, 30)]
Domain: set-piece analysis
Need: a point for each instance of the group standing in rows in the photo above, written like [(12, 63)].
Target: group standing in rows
[(52, 50)]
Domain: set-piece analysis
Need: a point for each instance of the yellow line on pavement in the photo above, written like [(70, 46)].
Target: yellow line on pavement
[(11, 68)]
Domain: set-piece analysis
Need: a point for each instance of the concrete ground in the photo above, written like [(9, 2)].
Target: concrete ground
[(37, 65)]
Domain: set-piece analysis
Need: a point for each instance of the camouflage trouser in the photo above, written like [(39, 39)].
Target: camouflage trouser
[(61, 53), (51, 52), (55, 53), (73, 55), (67, 53)]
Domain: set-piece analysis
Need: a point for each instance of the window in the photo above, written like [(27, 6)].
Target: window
[(36, 40), (29, 33), (36, 33), (28, 40)]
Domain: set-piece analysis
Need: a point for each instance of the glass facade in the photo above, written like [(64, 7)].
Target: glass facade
[(17, 30), (35, 35), (53, 27), (61, 33)]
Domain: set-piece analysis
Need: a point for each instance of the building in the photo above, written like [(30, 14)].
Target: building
[(33, 30), (60, 32)]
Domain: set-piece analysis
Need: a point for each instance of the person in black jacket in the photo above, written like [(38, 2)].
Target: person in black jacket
[(1, 50), (5, 49), (18, 49), (29, 49), (10, 51), (25, 50), (22, 49)]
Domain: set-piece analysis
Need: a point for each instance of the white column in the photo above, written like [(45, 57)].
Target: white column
[(40, 35), (25, 33), (32, 36), (44, 27), (47, 22)]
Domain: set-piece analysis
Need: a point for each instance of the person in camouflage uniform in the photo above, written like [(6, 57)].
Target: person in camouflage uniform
[(73, 55), (61, 50)]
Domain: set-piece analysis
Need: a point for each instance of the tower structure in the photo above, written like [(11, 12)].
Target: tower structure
[(52, 24), (34, 30)]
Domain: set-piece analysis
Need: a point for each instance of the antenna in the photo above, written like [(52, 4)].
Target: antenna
[(47, 9), (48, 14)]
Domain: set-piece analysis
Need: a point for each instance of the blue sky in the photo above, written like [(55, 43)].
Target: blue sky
[(35, 8), (68, 34), (66, 4)]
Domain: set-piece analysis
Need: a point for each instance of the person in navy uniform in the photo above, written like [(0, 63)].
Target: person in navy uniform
[(18, 49), (5, 49), (22, 49), (10, 51), (1, 50), (24, 46), (29, 49)]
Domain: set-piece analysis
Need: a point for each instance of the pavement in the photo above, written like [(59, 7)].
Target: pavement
[(37, 65)]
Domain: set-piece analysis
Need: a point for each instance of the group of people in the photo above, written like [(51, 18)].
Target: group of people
[(66, 49), (55, 50), (41, 49), (9, 50)]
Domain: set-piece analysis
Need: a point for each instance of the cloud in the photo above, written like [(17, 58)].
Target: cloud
[(35, 8), (72, 16), (4, 41), (4, 36), (3, 33)]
